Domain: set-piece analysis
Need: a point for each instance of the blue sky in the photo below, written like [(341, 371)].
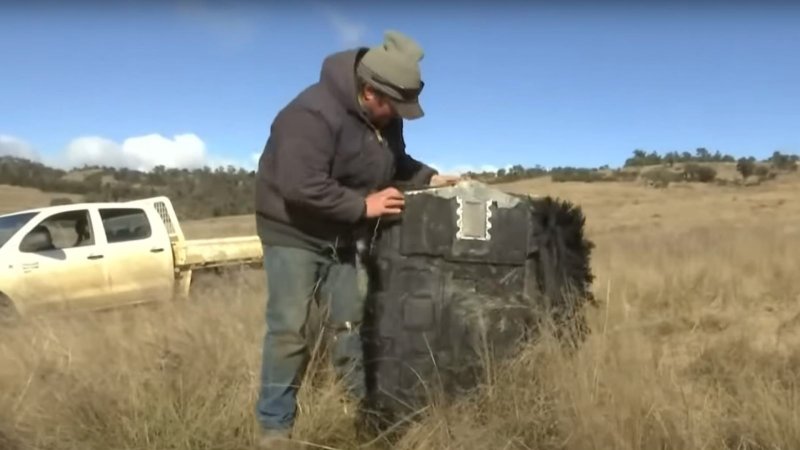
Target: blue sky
[(191, 82)]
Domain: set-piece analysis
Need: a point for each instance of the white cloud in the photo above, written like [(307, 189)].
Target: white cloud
[(93, 150), (350, 32), (147, 151), (245, 164), (184, 150), (139, 152), (12, 146)]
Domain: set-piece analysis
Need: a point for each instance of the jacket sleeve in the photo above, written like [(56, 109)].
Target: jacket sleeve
[(304, 146), (408, 168)]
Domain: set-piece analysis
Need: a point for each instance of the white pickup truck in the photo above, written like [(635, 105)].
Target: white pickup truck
[(100, 255)]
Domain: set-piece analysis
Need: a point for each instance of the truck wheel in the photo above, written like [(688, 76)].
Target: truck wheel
[(441, 306)]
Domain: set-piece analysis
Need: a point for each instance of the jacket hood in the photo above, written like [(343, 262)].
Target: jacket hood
[(338, 74)]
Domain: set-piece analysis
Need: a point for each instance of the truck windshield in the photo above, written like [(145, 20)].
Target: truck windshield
[(10, 224)]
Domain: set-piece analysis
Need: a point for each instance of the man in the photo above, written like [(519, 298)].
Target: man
[(326, 170)]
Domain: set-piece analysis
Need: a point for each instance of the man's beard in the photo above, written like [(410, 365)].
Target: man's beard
[(378, 122)]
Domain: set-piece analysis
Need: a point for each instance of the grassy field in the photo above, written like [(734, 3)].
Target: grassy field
[(695, 346), (13, 198)]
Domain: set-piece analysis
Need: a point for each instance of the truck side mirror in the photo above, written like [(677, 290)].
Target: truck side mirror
[(38, 240)]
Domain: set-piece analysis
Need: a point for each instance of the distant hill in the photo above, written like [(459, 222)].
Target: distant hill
[(206, 193), (660, 170), (197, 194), (15, 198)]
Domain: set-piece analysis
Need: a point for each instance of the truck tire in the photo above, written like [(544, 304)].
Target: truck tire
[(467, 271)]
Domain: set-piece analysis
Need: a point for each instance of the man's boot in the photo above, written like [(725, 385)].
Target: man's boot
[(275, 440)]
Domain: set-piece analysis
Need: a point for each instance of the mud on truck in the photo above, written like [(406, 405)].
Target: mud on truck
[(102, 255)]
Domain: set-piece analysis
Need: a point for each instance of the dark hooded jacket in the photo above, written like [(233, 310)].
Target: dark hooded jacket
[(323, 158)]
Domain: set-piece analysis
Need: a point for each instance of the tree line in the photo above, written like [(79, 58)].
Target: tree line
[(206, 192), (196, 193), (692, 168)]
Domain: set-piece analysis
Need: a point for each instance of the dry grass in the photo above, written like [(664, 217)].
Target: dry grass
[(14, 198), (220, 226), (695, 347)]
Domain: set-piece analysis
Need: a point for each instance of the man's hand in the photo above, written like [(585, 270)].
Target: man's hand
[(444, 180), (389, 201)]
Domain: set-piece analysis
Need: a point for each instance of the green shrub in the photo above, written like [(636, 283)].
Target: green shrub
[(698, 173), (746, 166), (624, 175), (761, 172), (575, 174), (662, 176)]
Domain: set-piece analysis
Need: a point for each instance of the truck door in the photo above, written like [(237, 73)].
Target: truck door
[(139, 257), (61, 264)]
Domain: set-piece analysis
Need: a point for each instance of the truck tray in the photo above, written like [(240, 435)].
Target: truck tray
[(217, 252)]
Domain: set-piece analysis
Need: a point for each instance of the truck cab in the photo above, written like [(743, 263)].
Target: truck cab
[(103, 255), (84, 255)]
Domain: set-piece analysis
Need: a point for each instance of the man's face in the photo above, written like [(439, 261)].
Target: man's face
[(378, 106)]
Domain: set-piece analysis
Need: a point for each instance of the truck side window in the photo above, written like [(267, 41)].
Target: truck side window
[(125, 224), (60, 232)]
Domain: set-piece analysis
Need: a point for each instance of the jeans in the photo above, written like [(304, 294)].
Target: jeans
[(295, 277)]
